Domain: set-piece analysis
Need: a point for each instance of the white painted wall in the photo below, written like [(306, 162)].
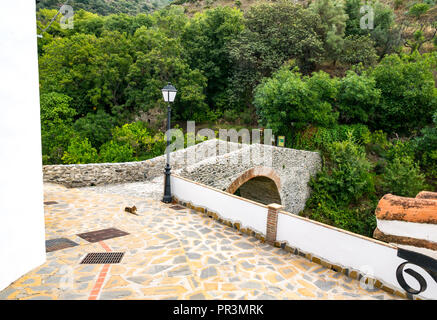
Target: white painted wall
[(424, 231), (229, 207), (371, 257), (22, 237)]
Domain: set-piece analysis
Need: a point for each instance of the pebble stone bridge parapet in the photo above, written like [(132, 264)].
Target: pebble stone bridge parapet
[(220, 164)]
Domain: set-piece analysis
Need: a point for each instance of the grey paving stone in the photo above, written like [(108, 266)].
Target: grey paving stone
[(290, 287), (325, 285), (198, 296), (275, 261), (192, 255), (137, 279), (184, 271), (46, 270), (6, 293), (208, 272), (191, 234), (52, 280), (244, 245), (205, 230), (247, 265), (211, 260), (85, 279), (41, 298), (72, 296), (180, 259), (109, 295), (250, 285), (28, 281), (156, 269), (266, 296)]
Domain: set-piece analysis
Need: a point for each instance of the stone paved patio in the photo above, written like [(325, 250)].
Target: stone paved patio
[(168, 255)]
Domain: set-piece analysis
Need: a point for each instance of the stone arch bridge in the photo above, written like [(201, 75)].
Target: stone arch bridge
[(262, 173)]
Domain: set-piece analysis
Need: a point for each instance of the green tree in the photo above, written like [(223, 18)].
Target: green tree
[(96, 127), (274, 33), (206, 39), (288, 101), (333, 21), (358, 49), (80, 151), (408, 93), (56, 126), (357, 97), (385, 33), (91, 70)]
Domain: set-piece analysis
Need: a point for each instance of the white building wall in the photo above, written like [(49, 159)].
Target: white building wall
[(248, 213), (22, 237)]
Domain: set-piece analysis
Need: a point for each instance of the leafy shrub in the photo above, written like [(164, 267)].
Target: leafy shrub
[(320, 138), (378, 143), (398, 3), (402, 177), (408, 93), (139, 138), (426, 148), (357, 97), (359, 49), (400, 149), (418, 9), (113, 152), (344, 181), (80, 151), (96, 127)]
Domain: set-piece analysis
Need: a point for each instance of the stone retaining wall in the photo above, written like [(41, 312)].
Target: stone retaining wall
[(93, 174)]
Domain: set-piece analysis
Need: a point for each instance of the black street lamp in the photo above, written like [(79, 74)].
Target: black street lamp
[(169, 93)]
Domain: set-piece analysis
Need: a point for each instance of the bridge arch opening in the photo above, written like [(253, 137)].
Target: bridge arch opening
[(259, 184)]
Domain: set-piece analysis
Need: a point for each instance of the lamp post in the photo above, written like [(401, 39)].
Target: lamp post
[(169, 94)]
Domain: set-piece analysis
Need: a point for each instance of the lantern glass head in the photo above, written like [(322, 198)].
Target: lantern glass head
[(169, 93)]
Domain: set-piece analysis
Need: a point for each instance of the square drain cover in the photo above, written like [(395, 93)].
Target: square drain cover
[(100, 235), (58, 244), (103, 258), (177, 207)]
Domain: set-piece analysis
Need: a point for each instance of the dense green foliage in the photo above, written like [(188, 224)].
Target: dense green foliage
[(345, 181), (105, 7), (309, 72)]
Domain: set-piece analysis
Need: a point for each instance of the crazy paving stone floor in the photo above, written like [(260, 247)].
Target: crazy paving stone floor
[(169, 254)]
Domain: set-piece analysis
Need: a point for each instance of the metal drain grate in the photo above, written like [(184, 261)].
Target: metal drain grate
[(103, 258), (47, 203), (177, 207), (100, 235), (58, 244)]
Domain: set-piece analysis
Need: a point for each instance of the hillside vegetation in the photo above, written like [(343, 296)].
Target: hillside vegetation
[(373, 117), (107, 7)]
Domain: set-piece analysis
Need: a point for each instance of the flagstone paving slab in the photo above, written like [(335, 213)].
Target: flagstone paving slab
[(168, 255)]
